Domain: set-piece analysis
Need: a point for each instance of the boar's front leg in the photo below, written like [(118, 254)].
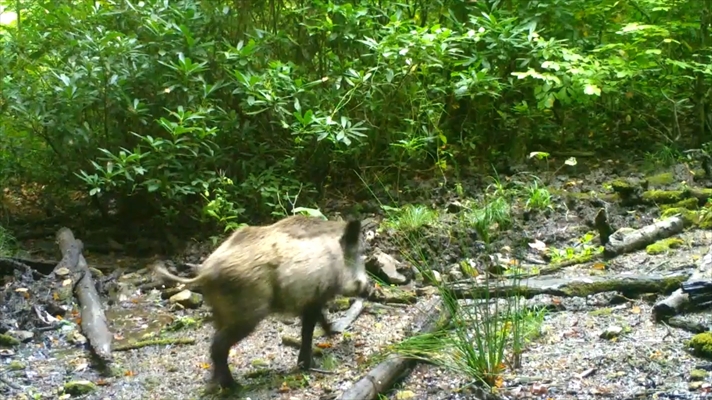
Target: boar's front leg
[(310, 317)]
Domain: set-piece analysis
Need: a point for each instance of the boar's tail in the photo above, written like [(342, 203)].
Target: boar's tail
[(160, 270)]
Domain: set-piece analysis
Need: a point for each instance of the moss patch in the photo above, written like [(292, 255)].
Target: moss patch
[(662, 246), (663, 196), (690, 204), (623, 187), (701, 219), (661, 179), (701, 345)]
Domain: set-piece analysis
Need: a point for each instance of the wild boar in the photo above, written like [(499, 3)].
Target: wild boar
[(294, 267)]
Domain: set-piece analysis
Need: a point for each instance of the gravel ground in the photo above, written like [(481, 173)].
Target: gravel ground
[(261, 362), (571, 361)]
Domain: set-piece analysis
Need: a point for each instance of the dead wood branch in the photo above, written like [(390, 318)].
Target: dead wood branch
[(154, 342), (689, 326), (679, 299), (621, 242), (385, 374), (352, 313), (93, 321), (568, 287), (14, 264)]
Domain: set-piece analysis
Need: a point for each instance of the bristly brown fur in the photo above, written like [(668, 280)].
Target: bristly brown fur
[(293, 266)]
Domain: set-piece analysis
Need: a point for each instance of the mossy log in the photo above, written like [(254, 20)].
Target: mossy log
[(679, 299), (93, 321), (625, 241), (676, 196), (630, 285)]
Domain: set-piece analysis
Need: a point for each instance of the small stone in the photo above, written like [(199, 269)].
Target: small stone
[(78, 338), (79, 387), (695, 385), (436, 276), (63, 271), (455, 272), (187, 299), (611, 332), (405, 395)]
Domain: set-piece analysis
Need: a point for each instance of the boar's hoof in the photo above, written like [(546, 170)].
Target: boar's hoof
[(223, 381), (305, 363)]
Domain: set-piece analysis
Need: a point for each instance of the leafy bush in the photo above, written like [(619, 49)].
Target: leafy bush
[(157, 103)]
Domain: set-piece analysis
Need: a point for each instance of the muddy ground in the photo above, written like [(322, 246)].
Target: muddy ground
[(568, 360)]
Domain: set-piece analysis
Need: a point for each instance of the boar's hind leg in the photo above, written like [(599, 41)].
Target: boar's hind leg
[(223, 340), (310, 317)]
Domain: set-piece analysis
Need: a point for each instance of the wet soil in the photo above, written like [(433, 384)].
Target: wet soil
[(569, 360)]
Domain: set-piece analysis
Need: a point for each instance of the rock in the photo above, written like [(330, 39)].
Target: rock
[(611, 332), (436, 276), (386, 265), (79, 387), (170, 292), (455, 272), (78, 338), (22, 336), (63, 271), (187, 299)]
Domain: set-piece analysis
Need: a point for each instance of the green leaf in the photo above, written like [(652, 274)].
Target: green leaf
[(591, 89)]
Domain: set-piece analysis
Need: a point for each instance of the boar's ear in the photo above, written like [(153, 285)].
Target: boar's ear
[(352, 233)]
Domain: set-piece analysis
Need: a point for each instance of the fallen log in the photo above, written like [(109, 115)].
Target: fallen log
[(154, 342), (626, 241), (385, 374), (679, 299), (630, 285), (93, 321)]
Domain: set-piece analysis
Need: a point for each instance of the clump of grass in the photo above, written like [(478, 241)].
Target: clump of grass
[(483, 337), (496, 214), (539, 198), (410, 218)]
